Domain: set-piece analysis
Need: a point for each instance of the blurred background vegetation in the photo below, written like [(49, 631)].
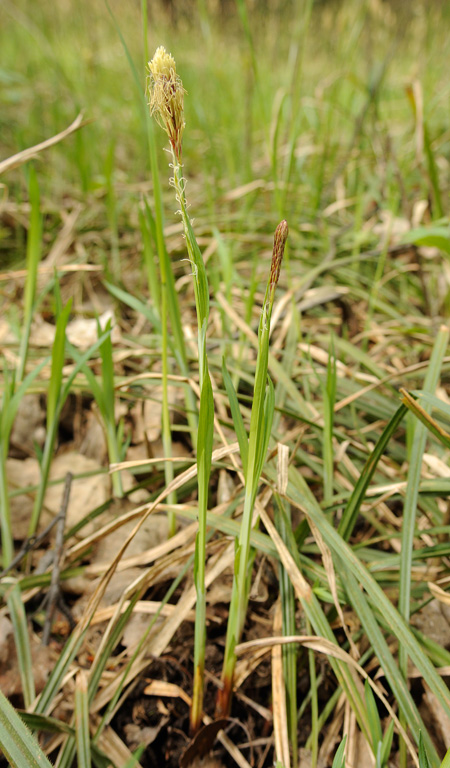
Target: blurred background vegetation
[(301, 95)]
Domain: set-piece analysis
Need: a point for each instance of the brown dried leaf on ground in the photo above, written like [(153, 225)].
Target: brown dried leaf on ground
[(82, 332), (113, 746), (304, 758), (153, 531), (431, 621), (363, 754), (43, 661), (29, 426), (42, 334), (206, 762), (147, 414), (23, 473), (435, 718), (86, 493), (136, 735), (94, 441)]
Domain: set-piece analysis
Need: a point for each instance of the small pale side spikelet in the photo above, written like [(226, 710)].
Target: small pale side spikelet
[(279, 242), (167, 96)]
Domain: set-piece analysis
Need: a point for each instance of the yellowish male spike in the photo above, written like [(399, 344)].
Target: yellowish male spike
[(167, 97)]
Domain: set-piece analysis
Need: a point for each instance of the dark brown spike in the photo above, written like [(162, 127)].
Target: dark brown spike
[(279, 243)]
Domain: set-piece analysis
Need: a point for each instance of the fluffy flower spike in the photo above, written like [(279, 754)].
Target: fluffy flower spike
[(167, 97)]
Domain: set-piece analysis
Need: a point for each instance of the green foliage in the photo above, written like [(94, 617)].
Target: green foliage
[(16, 741), (280, 120), (34, 250), (339, 758)]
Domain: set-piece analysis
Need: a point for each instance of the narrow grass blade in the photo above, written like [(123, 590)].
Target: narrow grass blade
[(5, 512), (433, 172), (425, 418), (239, 427), (16, 742), (329, 392), (109, 410), (351, 511), (8, 414), (58, 357), (387, 663), (34, 249), (386, 745), (289, 652), (319, 621), (83, 738), (22, 643), (265, 427), (339, 758), (299, 493), (314, 735), (204, 453), (150, 265), (373, 717), (423, 757), (63, 663), (412, 490)]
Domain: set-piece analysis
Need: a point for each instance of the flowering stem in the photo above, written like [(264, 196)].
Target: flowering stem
[(260, 429), (204, 445)]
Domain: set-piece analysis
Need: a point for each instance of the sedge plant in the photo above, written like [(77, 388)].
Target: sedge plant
[(253, 453), (166, 104)]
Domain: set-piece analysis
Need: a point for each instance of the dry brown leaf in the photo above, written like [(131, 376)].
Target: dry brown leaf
[(42, 334), (363, 755), (113, 746), (86, 493), (304, 758), (23, 473), (94, 441), (225, 487), (29, 425), (43, 660), (280, 724), (161, 688), (135, 628), (82, 332), (138, 735), (391, 228), (431, 621), (331, 576), (438, 715), (153, 531), (6, 335), (147, 607), (327, 647)]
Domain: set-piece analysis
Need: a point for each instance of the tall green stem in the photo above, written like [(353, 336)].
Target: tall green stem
[(204, 445), (260, 429)]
